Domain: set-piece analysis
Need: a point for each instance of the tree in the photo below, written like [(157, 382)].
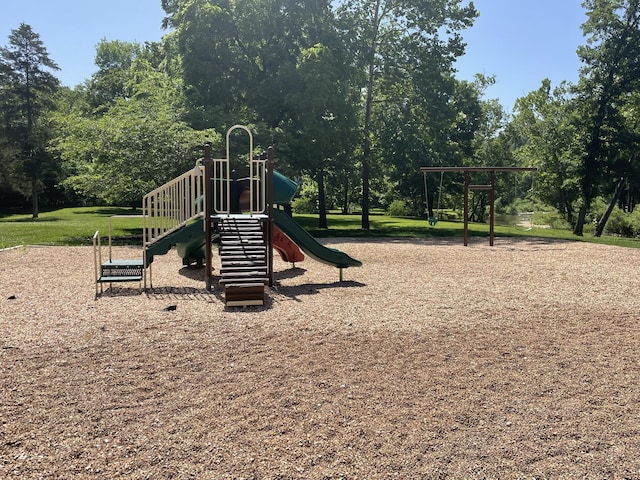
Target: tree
[(393, 39), (545, 137), (239, 58), (27, 91), (107, 84), (139, 143), (611, 72), (322, 118), (278, 65)]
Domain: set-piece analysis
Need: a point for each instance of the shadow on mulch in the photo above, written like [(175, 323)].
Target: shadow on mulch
[(119, 291), (169, 293), (193, 273), (293, 272), (296, 291), (184, 293)]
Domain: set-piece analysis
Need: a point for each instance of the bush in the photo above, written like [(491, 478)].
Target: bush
[(624, 224), (398, 208), (304, 205), (523, 205), (619, 223)]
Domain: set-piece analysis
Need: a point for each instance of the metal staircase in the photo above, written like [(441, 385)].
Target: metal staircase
[(243, 257)]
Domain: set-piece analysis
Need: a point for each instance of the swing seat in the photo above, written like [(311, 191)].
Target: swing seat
[(433, 221)]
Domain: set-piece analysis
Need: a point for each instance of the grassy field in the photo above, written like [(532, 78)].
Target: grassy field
[(69, 226), (385, 226), (76, 226)]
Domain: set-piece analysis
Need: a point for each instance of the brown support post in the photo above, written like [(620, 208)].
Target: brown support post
[(466, 208), (208, 204), (271, 164), (492, 197)]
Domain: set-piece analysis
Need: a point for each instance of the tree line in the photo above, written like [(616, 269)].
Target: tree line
[(355, 96)]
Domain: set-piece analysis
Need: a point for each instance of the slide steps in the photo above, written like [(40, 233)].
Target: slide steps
[(243, 256)]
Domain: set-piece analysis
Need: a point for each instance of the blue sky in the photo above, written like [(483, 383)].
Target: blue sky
[(71, 29), (521, 42)]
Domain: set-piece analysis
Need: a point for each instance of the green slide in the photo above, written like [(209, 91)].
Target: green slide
[(189, 242), (310, 245), (284, 189)]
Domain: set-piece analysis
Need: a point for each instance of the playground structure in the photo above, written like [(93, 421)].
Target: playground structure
[(207, 205), (468, 186)]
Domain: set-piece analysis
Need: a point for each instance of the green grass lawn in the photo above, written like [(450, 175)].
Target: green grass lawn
[(385, 226), (76, 226), (70, 226)]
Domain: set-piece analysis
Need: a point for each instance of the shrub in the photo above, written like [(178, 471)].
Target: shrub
[(623, 223), (554, 219), (398, 208), (304, 205)]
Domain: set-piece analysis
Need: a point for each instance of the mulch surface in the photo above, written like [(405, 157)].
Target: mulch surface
[(432, 360)]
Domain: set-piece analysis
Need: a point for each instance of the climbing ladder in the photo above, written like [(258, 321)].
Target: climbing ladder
[(243, 257), (245, 238)]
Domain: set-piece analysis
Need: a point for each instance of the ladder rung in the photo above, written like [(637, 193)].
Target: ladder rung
[(242, 274), (243, 281), (244, 257), (243, 268)]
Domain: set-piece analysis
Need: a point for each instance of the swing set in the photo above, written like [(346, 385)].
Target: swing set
[(433, 219), (468, 186)]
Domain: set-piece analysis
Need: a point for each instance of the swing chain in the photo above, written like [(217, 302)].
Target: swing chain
[(433, 220)]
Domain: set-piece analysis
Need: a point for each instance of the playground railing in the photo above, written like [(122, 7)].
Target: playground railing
[(173, 204), (258, 176), (97, 257)]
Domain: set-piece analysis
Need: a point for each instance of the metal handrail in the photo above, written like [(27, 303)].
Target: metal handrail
[(97, 257), (257, 177), (173, 204)]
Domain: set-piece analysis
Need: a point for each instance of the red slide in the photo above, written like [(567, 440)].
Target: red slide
[(289, 251)]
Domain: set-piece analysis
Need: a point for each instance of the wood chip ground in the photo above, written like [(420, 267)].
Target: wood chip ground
[(432, 360)]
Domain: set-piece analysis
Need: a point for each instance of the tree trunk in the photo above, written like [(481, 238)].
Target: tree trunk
[(345, 196), (365, 193), (322, 201), (582, 214), (34, 197), (587, 184), (605, 218), (366, 152), (366, 148), (568, 208)]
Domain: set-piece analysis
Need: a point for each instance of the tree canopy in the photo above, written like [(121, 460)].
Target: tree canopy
[(609, 77), (138, 141), (355, 96)]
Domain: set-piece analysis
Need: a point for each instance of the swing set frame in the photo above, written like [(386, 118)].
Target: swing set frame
[(468, 186)]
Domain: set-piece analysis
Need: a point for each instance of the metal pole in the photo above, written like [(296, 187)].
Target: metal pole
[(466, 208), (208, 206), (271, 163), (492, 197)]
